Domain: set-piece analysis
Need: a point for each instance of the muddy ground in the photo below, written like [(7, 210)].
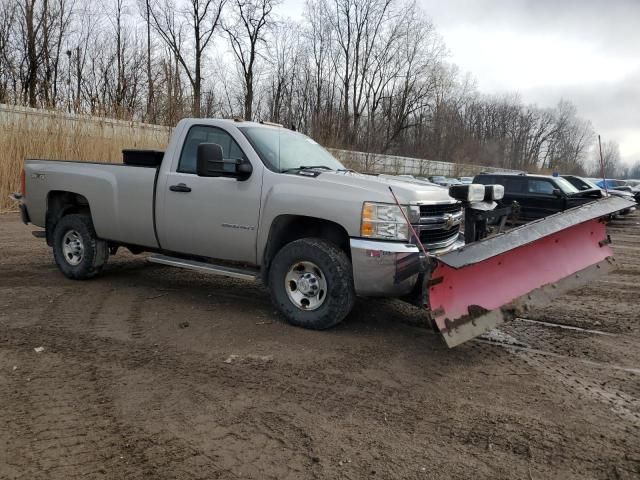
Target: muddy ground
[(154, 372)]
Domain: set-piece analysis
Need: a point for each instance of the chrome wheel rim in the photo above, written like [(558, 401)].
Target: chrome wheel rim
[(306, 285), (72, 247)]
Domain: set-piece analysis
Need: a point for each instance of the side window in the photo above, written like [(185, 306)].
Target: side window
[(485, 180), (201, 134), (542, 187), (512, 184)]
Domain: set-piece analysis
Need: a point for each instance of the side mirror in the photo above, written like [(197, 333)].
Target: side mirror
[(557, 193), (209, 163)]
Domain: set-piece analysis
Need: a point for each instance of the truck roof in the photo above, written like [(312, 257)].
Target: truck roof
[(236, 122), (512, 174)]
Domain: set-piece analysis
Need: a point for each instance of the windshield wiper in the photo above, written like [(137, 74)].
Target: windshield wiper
[(307, 167)]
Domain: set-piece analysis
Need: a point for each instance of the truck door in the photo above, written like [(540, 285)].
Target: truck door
[(541, 198), (515, 191), (214, 217)]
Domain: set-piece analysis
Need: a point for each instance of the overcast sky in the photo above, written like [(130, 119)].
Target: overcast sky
[(585, 51)]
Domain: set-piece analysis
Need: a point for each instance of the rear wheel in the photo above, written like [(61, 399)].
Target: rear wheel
[(311, 283), (77, 250)]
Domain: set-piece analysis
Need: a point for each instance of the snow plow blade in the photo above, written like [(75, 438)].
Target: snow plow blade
[(477, 287)]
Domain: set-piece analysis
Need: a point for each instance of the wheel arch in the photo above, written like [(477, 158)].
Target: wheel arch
[(288, 228), (61, 203)]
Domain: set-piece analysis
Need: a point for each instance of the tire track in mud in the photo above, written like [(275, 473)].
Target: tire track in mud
[(561, 355), (269, 434), (57, 424), (62, 306), (320, 390), (178, 411), (65, 425), (134, 316), (624, 405)]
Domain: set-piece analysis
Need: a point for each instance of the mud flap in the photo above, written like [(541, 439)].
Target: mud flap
[(481, 285)]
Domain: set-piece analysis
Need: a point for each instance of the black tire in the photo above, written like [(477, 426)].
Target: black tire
[(338, 276), (95, 251)]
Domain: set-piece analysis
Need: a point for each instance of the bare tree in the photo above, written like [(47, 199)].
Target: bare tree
[(150, 113), (367, 75), (246, 32), (610, 160), (202, 17), (8, 77)]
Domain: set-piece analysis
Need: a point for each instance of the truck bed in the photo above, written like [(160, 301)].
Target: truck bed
[(120, 197)]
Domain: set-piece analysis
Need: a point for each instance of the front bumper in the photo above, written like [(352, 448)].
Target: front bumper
[(388, 269)]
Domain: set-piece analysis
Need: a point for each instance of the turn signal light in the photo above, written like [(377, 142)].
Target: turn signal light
[(368, 229)]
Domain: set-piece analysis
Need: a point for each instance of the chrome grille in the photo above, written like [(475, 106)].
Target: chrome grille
[(430, 210), (439, 225), (433, 237)]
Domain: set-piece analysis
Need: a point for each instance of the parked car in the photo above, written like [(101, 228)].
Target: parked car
[(613, 184), (538, 195), (255, 201), (466, 180), (438, 180), (444, 181), (583, 184), (618, 185), (427, 180)]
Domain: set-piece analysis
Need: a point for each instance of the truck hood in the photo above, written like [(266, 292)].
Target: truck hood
[(376, 187)]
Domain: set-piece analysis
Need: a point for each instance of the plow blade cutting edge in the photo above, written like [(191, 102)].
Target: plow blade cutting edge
[(477, 287)]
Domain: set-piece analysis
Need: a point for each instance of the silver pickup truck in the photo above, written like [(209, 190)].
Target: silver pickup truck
[(253, 200)]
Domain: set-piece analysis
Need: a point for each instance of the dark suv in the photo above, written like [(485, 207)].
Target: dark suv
[(538, 195)]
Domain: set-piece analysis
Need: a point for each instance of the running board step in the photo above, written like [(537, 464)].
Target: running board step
[(204, 267)]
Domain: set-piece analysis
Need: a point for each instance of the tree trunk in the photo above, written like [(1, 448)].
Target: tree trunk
[(197, 83), (32, 55), (150, 94), (248, 98)]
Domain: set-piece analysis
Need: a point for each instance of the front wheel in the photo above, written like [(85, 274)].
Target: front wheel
[(311, 283), (77, 250)]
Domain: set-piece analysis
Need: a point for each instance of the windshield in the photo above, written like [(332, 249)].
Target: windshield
[(565, 186), (590, 183), (281, 149)]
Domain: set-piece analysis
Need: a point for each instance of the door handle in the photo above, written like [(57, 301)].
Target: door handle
[(181, 187)]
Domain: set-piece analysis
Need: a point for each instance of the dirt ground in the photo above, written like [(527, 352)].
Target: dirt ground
[(154, 372)]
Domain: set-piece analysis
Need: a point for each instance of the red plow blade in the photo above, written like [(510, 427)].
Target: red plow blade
[(475, 288)]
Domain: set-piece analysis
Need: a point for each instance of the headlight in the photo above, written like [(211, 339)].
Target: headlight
[(380, 220), (493, 192), (473, 192)]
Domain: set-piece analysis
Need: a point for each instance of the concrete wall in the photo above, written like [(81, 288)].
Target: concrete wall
[(379, 163)]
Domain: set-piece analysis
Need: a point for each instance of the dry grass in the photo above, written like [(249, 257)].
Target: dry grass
[(30, 133), (61, 137)]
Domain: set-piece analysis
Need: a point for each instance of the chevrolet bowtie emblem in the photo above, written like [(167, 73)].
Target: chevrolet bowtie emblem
[(450, 221)]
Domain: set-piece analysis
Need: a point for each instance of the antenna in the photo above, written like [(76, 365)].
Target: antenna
[(413, 230), (604, 180)]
